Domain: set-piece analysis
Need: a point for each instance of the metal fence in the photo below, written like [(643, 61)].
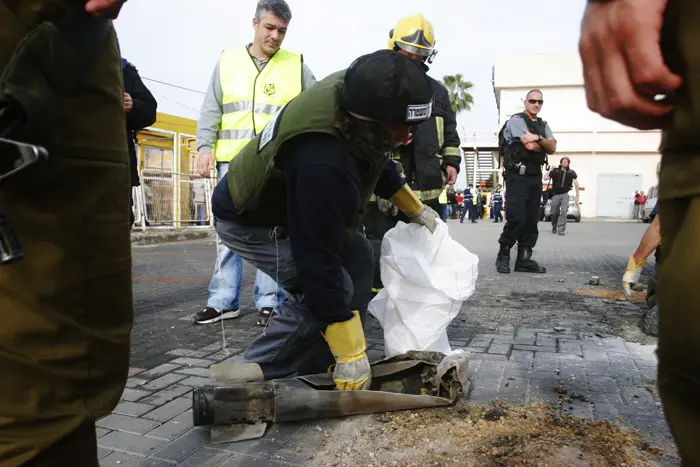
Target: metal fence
[(172, 200)]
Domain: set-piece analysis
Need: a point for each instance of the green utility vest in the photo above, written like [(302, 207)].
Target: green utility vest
[(255, 180)]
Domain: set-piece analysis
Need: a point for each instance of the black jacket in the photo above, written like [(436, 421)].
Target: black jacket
[(435, 145), (142, 115)]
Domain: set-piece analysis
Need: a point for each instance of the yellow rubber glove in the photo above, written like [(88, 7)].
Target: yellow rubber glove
[(631, 276), (347, 343), (407, 201)]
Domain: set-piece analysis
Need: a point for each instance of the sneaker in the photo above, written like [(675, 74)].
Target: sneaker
[(264, 315), (211, 315), (554, 230)]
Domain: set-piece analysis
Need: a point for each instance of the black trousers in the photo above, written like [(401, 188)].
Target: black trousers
[(523, 196)]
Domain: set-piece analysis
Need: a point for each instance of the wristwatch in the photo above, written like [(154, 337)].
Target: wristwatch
[(539, 138)]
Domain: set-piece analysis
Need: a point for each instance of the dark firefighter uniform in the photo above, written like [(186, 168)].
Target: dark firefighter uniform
[(524, 184), (66, 308), (291, 205), (679, 207), (435, 143)]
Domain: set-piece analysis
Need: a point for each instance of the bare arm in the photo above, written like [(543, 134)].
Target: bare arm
[(650, 241), (576, 185), (548, 145)]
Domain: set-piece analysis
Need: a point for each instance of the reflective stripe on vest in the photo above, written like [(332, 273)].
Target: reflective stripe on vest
[(251, 97)]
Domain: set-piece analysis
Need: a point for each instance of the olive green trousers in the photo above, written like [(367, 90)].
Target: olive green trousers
[(679, 207), (66, 308)]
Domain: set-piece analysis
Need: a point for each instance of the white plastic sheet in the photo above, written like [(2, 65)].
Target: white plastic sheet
[(427, 277)]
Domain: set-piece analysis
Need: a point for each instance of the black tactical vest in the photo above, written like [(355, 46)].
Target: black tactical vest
[(520, 154)]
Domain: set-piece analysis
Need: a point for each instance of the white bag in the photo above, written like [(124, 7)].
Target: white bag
[(426, 279)]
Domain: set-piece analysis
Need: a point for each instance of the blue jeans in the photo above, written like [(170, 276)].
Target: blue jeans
[(225, 284)]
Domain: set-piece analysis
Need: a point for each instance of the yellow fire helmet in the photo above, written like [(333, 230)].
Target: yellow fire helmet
[(415, 35)]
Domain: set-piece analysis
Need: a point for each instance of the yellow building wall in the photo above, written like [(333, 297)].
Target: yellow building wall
[(157, 145), (157, 152)]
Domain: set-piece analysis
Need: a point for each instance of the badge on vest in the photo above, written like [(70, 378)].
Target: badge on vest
[(419, 112), (270, 131), (269, 89)]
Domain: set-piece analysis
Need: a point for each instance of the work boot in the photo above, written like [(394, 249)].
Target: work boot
[(524, 263), (503, 259)]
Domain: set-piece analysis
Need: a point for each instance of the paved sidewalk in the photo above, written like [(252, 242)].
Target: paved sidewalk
[(530, 334)]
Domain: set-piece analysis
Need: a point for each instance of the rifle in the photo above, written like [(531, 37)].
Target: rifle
[(47, 64)]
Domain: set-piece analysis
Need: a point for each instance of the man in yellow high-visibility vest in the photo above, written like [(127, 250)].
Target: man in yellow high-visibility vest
[(247, 89)]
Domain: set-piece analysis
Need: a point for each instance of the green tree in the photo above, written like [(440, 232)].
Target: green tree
[(458, 90)]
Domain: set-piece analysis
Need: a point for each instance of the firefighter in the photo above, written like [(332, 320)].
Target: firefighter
[(432, 160), (66, 308)]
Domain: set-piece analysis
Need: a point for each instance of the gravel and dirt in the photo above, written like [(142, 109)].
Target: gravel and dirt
[(477, 435)]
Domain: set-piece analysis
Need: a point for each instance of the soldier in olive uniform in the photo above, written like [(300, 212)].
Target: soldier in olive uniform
[(66, 308), (633, 53)]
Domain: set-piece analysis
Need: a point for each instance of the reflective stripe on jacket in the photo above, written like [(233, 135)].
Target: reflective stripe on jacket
[(251, 97)]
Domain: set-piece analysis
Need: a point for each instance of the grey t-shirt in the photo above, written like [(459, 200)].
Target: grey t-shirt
[(516, 127), (212, 108)]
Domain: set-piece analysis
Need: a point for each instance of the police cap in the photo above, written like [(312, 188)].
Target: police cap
[(386, 86)]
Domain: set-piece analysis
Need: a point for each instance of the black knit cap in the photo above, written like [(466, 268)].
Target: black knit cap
[(388, 87)]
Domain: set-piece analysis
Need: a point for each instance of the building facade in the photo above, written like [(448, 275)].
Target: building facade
[(612, 161)]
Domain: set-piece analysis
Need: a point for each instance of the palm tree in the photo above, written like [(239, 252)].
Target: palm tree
[(458, 89)]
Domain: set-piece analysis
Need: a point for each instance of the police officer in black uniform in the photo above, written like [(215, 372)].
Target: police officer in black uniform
[(497, 204), (525, 141), (469, 207)]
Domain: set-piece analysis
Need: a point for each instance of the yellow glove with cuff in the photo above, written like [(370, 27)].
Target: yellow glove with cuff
[(347, 343), (631, 276), (407, 201)]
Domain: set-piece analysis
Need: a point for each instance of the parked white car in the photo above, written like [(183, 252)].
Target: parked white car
[(652, 198)]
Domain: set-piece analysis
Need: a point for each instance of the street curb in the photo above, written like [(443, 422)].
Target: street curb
[(152, 237)]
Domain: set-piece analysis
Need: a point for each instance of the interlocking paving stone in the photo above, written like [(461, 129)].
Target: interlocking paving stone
[(508, 313), (196, 381), (126, 423), (133, 395), (130, 443), (102, 452), (99, 432), (120, 459), (189, 353), (502, 349), (174, 427), (159, 371), (186, 361), (135, 409), (534, 348), (205, 458), (602, 384), (243, 460), (256, 447), (163, 382), (135, 382), (203, 372), (171, 409), (166, 395), (184, 446)]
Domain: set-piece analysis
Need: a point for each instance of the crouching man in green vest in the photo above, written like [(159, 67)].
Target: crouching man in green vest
[(292, 203)]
